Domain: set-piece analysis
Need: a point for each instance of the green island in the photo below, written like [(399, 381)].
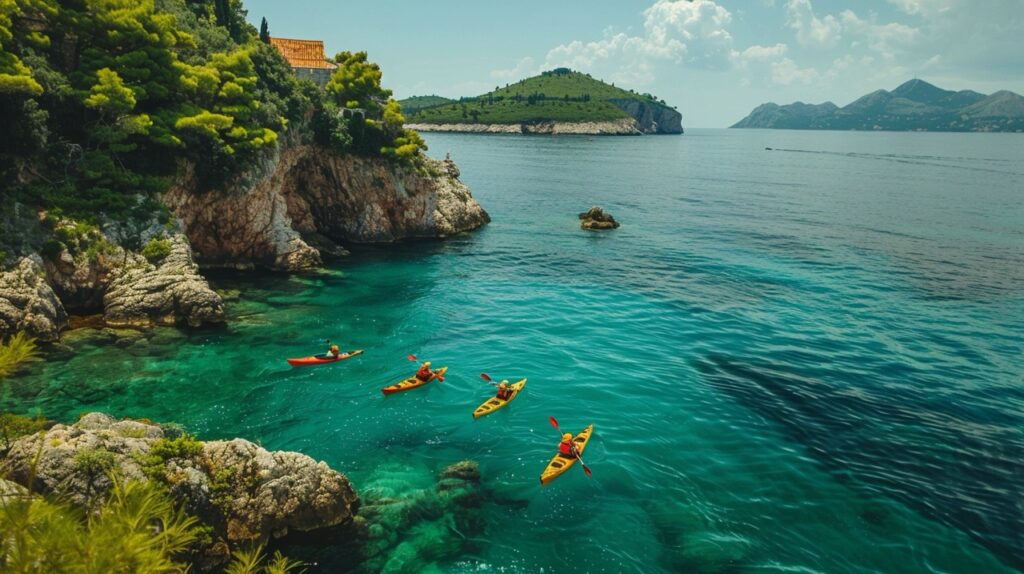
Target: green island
[(556, 101)]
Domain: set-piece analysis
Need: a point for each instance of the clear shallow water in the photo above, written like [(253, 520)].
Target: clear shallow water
[(804, 360)]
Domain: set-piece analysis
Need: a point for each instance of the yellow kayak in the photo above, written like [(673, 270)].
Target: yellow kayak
[(412, 383), (560, 463), (494, 403)]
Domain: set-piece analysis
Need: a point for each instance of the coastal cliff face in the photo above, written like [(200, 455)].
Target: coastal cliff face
[(652, 119), (244, 492), (303, 195)]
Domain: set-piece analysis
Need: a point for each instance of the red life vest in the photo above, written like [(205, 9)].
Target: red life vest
[(423, 374), (565, 448)]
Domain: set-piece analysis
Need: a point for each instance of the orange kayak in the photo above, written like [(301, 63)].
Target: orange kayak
[(323, 359), (561, 463), (411, 383)]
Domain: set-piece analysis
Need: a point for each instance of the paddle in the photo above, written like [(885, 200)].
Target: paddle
[(411, 357), (586, 469), (487, 378)]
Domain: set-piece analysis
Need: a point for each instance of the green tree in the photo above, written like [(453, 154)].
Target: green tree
[(356, 83), (264, 31)]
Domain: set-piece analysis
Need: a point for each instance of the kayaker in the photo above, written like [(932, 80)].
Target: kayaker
[(504, 390), (424, 374), (332, 350), (566, 447)]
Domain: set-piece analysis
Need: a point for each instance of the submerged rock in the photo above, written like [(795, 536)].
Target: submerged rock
[(596, 218), (170, 293), (244, 492), (28, 303)]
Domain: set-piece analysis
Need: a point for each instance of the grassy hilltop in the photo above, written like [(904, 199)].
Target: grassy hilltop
[(557, 95)]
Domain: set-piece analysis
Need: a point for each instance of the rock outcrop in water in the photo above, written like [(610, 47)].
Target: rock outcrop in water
[(303, 194), (169, 293), (596, 218), (244, 492), (28, 303)]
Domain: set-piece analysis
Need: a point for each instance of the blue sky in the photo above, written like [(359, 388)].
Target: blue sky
[(714, 60)]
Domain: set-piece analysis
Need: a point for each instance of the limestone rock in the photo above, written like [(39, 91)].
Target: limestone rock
[(596, 218), (304, 191), (170, 293), (27, 303)]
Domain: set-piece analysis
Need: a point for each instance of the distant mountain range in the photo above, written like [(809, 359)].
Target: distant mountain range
[(914, 106)]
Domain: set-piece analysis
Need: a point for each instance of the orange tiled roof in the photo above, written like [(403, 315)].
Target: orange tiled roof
[(302, 53)]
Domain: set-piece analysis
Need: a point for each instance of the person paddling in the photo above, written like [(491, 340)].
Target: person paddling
[(332, 350), (567, 448), (504, 390), (425, 374)]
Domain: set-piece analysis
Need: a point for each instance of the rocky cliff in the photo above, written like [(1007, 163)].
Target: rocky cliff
[(302, 200), (243, 492), (651, 118)]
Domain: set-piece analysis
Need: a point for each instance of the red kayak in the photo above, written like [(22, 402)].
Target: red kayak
[(323, 359)]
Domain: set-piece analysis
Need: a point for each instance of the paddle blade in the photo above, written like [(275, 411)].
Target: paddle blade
[(485, 377), (411, 358), (586, 470), (553, 422)]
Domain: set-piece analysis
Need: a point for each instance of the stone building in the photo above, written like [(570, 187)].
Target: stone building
[(307, 59)]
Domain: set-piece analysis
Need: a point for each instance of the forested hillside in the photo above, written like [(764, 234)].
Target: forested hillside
[(102, 99)]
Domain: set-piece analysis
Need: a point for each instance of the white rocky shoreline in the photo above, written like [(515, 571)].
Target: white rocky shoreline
[(623, 127)]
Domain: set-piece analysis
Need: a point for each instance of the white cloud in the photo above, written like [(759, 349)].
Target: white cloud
[(811, 30), (693, 33), (786, 72), (525, 67), (888, 40)]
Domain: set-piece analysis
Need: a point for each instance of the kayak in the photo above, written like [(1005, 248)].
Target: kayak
[(412, 383), (323, 359), (494, 403), (560, 463)]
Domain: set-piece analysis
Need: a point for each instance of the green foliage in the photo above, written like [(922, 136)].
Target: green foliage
[(557, 95), (136, 529), (156, 249), (93, 462), (184, 446), (356, 83), (18, 350), (13, 427), (417, 103), (264, 31), (254, 561), (52, 248)]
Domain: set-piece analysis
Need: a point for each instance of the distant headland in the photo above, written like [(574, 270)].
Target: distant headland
[(559, 101), (913, 106)]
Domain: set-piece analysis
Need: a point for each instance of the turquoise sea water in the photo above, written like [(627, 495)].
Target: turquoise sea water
[(802, 360)]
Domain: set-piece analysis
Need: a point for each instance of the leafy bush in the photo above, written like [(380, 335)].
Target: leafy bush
[(184, 446), (52, 249), (156, 250), (93, 462), (13, 427), (17, 351)]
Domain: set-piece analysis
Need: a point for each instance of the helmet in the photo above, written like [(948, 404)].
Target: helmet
[(503, 383), (426, 363), (566, 437)]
